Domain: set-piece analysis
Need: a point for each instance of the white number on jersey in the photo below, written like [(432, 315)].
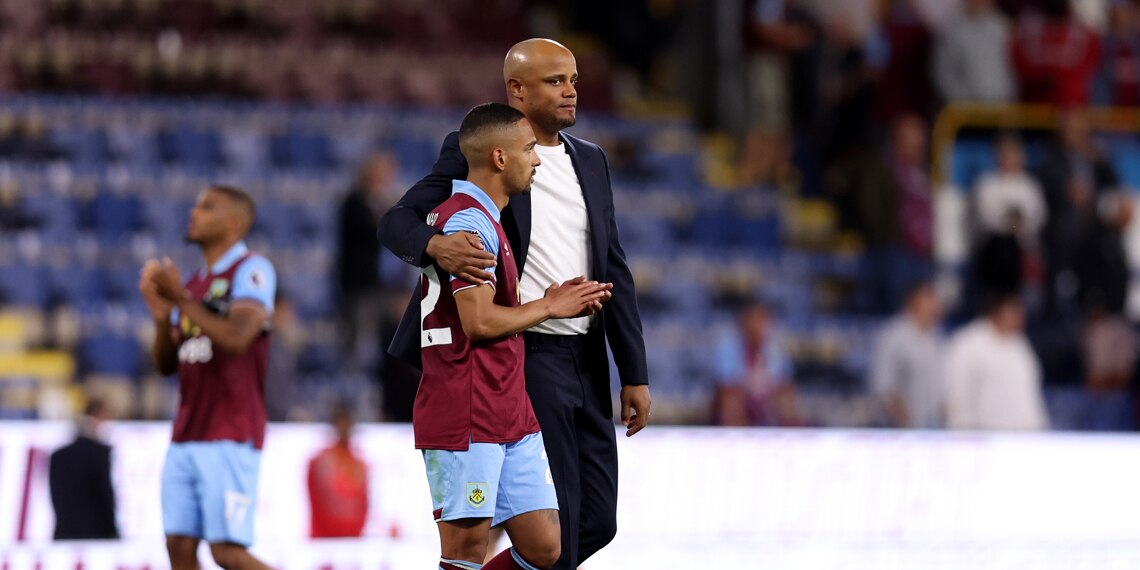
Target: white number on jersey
[(196, 350), (432, 337)]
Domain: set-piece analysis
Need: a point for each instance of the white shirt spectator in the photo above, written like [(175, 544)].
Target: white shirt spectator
[(998, 194), (907, 364), (971, 58), (993, 381)]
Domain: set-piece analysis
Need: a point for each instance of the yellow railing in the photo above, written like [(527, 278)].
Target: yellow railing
[(957, 116)]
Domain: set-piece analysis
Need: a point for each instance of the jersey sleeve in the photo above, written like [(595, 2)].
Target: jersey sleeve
[(255, 280), (474, 221)]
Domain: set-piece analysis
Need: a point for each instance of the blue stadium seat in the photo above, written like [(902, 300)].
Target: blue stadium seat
[(119, 283), (82, 147), (75, 285), (196, 149), (114, 217), (302, 150), (110, 354), (138, 149), (23, 285)]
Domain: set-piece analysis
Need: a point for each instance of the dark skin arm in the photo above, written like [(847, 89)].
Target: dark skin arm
[(232, 333), (164, 351), (403, 231), (461, 254)]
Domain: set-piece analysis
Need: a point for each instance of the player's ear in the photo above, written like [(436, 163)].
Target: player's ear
[(499, 158), (515, 88)]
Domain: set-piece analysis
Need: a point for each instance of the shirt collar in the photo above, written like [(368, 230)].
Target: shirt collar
[(234, 253), (465, 187)]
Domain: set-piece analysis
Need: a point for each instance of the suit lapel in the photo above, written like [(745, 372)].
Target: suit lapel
[(519, 231)]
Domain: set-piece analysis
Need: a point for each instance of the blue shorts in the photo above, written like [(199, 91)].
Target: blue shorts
[(209, 490), (490, 480)]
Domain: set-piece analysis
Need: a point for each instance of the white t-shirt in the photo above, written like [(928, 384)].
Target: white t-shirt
[(559, 235), (999, 193), (993, 381)]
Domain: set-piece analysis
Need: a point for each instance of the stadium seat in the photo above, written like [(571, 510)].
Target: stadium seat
[(108, 354), (302, 150), (196, 149), (23, 286), (75, 285), (115, 217)]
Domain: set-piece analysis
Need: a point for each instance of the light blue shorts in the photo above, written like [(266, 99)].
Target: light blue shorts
[(490, 480), (209, 490)]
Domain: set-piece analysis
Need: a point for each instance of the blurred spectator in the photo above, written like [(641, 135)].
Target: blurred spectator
[(79, 477), (1055, 55), (285, 346), (1011, 213), (887, 198), (755, 384), (847, 91), (1109, 352), (1086, 221), (905, 87), (971, 56), (1010, 188), (993, 379), (785, 43), (905, 369), (1118, 80), (362, 291), (338, 483)]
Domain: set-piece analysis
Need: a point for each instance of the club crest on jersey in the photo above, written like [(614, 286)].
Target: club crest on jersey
[(477, 494), (188, 327), (432, 217), (218, 288)]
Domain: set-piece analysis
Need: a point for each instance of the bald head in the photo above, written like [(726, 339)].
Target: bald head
[(524, 56), (541, 76)]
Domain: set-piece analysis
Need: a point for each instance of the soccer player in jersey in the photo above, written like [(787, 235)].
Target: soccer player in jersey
[(486, 463), (214, 332)]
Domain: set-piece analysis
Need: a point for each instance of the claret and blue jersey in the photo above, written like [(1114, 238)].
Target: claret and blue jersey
[(470, 392)]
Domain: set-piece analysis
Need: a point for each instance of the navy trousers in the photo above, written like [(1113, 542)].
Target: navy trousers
[(567, 379)]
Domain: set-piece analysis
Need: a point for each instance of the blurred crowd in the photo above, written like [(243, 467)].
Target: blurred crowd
[(829, 170), (847, 96)]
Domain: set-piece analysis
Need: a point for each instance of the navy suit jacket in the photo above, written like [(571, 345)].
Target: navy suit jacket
[(79, 478), (402, 230)]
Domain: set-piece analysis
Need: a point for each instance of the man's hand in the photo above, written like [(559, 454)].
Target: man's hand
[(168, 282), (635, 403), (159, 308), (461, 254), (576, 297)]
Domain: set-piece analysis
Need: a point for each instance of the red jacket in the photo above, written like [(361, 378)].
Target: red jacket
[(338, 493)]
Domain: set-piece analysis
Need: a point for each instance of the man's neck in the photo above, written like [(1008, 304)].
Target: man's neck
[(544, 138), (492, 186), (214, 251)]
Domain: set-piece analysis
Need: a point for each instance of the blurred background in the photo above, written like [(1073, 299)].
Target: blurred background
[(839, 213)]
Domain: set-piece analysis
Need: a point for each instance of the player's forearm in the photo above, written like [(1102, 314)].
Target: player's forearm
[(489, 321), (163, 352), (227, 333)]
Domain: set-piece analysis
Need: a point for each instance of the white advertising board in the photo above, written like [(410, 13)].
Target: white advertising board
[(688, 496)]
